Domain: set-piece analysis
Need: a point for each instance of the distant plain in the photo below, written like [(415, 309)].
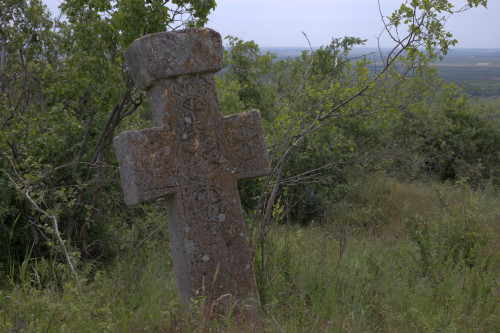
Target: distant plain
[(477, 71)]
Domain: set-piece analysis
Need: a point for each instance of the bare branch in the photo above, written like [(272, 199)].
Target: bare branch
[(149, 236), (51, 217)]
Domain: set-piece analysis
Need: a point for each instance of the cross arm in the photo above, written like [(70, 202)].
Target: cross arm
[(247, 150), (146, 164)]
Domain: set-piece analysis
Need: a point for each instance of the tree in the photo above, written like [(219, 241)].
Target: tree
[(323, 100), (64, 92)]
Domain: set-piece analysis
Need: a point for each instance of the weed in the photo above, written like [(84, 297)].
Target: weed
[(390, 256)]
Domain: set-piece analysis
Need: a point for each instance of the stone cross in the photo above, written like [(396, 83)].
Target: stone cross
[(194, 157)]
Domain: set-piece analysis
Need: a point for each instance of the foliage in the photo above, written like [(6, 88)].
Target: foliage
[(424, 20), (372, 252), (325, 112), (252, 79), (384, 281), (64, 92), (319, 99), (444, 135)]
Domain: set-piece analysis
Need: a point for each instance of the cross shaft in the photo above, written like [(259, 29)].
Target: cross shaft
[(194, 157)]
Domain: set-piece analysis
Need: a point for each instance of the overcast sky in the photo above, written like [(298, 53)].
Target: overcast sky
[(281, 22)]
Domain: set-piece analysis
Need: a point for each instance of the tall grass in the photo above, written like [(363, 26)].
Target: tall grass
[(391, 256), (418, 257)]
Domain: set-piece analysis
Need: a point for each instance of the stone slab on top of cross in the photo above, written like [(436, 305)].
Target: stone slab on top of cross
[(194, 157)]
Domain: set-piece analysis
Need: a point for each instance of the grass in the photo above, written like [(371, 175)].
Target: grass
[(417, 258), (391, 256)]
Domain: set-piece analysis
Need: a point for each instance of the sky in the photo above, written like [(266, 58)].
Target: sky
[(280, 23)]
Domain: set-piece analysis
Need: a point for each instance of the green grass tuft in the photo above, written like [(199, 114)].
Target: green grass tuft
[(391, 256)]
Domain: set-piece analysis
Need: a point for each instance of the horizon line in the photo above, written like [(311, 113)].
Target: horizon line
[(384, 47)]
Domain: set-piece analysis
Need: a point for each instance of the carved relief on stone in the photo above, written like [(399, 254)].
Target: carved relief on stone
[(190, 105), (208, 199), (197, 155)]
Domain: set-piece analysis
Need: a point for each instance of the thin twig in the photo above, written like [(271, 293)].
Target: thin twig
[(45, 213), (149, 236)]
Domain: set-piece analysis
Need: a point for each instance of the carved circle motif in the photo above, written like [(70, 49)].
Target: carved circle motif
[(191, 108), (209, 202), (211, 148), (193, 105)]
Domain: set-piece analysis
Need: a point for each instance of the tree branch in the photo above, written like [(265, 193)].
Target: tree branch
[(51, 217)]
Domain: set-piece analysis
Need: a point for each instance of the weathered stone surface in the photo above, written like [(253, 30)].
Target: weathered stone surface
[(163, 55), (194, 157)]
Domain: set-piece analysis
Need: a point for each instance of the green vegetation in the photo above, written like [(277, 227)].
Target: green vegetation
[(390, 256), (476, 71), (479, 82), (381, 213)]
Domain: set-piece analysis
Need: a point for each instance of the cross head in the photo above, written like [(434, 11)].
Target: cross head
[(194, 158)]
